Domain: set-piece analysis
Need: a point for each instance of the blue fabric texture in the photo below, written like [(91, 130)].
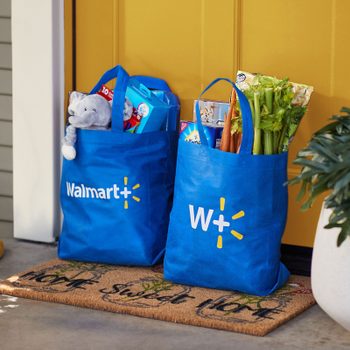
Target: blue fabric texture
[(116, 194), (228, 216)]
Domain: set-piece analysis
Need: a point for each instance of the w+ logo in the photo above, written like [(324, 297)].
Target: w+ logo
[(205, 219)]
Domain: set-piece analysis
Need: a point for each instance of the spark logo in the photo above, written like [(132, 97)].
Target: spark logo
[(114, 192), (206, 219)]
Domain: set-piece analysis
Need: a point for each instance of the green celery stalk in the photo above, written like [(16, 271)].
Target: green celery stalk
[(268, 136), (268, 142), (269, 99), (275, 118), (282, 136), (251, 104), (276, 136), (257, 131)]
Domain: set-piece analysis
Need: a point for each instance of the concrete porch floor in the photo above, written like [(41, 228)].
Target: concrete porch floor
[(39, 325)]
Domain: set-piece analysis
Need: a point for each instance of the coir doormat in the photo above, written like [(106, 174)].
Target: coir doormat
[(143, 292)]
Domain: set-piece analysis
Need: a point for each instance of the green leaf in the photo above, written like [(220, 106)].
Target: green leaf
[(302, 191), (343, 182), (323, 150), (345, 110), (311, 164), (308, 204), (325, 166), (341, 237), (328, 226), (328, 128)]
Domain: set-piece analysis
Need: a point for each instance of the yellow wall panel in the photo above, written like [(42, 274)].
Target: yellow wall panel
[(340, 86), (189, 43), (94, 41), (218, 44), (163, 41)]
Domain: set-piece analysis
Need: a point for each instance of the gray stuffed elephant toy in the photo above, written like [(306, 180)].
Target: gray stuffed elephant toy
[(85, 112), (88, 112)]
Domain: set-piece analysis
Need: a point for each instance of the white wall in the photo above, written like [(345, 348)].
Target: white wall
[(38, 90)]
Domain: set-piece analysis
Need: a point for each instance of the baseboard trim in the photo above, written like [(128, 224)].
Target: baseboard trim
[(297, 259)]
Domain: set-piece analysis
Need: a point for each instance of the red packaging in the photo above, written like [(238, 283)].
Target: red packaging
[(129, 124), (133, 122), (106, 92)]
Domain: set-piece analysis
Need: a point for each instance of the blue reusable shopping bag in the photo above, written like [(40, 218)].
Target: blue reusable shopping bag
[(116, 194), (228, 215)]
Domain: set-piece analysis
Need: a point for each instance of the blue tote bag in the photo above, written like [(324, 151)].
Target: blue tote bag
[(116, 194), (228, 215)]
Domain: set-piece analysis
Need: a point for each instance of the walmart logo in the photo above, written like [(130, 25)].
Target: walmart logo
[(114, 192), (206, 218)]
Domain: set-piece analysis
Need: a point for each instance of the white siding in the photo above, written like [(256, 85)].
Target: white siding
[(6, 159), (5, 29), (6, 184), (6, 229), (5, 107), (6, 210), (5, 82), (5, 8), (5, 133), (5, 56)]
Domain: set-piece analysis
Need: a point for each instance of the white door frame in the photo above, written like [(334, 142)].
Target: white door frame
[(38, 115)]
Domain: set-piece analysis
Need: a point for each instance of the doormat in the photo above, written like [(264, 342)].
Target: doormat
[(143, 292)]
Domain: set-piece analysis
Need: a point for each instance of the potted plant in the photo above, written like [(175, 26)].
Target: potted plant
[(326, 169)]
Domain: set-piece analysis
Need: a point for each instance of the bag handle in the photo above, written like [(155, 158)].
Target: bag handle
[(247, 120), (152, 82), (119, 94)]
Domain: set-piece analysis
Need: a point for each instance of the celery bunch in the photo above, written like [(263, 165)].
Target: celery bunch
[(276, 111)]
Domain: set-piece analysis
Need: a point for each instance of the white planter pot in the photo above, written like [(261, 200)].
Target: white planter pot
[(330, 272)]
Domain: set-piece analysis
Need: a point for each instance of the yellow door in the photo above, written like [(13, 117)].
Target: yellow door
[(189, 43)]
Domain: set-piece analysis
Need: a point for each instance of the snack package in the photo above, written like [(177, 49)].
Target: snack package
[(212, 112), (106, 92), (302, 92), (189, 133)]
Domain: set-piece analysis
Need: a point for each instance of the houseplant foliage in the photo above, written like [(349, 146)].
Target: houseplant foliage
[(326, 168)]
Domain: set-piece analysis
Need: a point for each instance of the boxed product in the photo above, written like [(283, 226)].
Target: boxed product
[(212, 112), (152, 111), (143, 110), (189, 133)]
